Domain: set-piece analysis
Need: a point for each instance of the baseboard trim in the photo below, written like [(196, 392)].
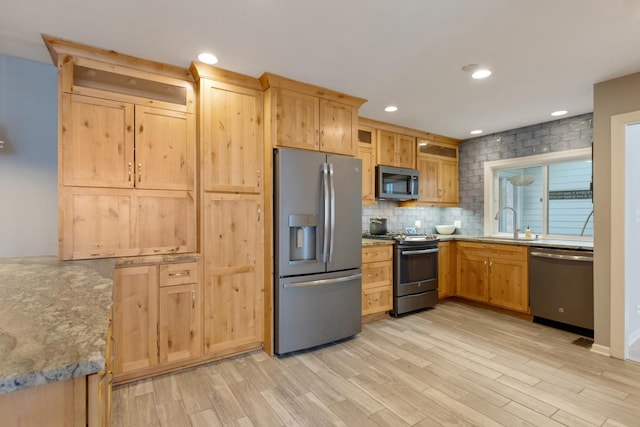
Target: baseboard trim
[(601, 350)]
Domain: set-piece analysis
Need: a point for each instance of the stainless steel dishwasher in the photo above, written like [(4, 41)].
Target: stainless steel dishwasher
[(561, 288)]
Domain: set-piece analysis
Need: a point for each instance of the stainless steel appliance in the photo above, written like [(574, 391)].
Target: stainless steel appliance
[(318, 282), (561, 288), (396, 183), (415, 271), (378, 226)]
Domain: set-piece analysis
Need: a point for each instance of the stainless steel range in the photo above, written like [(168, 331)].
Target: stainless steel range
[(415, 271)]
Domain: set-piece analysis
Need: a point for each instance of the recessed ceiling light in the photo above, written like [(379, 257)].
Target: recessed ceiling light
[(390, 108), (207, 58), (477, 71), (476, 132), (559, 113)]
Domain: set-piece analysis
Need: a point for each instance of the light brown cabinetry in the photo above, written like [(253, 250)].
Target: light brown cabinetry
[(232, 233), (377, 279), (156, 317), (395, 149), (438, 167), (310, 118), (446, 269), (493, 273), (367, 145), (126, 155)]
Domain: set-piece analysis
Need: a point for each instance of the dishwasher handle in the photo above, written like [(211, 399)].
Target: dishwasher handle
[(582, 258)]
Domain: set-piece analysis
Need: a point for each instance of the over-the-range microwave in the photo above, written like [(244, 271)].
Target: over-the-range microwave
[(396, 183)]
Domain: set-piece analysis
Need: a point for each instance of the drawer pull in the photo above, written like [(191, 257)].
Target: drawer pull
[(179, 274)]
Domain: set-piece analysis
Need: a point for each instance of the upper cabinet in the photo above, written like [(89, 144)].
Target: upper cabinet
[(310, 117), (395, 149), (126, 154), (438, 166), (367, 143)]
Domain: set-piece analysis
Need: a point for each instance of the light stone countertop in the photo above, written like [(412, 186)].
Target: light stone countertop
[(548, 243), (54, 317)]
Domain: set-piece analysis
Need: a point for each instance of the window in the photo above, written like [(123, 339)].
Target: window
[(550, 193)]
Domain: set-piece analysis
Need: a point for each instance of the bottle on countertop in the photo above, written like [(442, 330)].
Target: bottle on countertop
[(527, 233)]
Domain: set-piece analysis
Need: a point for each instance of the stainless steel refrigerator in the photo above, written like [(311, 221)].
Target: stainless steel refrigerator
[(318, 282)]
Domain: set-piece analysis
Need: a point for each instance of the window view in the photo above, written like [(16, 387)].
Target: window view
[(552, 198)]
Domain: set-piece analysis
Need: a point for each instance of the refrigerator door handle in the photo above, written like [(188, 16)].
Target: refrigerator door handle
[(322, 281), (333, 212), (325, 240)]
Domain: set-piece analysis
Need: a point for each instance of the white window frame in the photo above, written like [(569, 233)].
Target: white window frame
[(491, 193)]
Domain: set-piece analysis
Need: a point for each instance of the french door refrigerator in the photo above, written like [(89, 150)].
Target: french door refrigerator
[(318, 281)]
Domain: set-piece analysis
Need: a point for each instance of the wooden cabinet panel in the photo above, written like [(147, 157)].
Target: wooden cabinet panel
[(387, 148), (135, 318), (233, 281), (297, 120), (375, 274), (438, 166), (428, 180), (376, 300), (448, 180), (232, 138), (165, 222), (377, 253), (367, 144), (178, 273), (508, 281), (337, 128), (472, 277), (395, 149), (179, 323), (95, 223), (96, 142), (165, 149), (406, 151), (446, 269)]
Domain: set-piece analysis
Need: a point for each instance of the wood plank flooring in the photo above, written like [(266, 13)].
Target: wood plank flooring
[(452, 365)]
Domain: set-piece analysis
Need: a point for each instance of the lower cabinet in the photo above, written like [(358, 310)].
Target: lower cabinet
[(377, 279), (493, 273), (156, 317), (446, 269)]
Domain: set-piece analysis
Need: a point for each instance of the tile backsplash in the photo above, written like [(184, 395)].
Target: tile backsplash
[(398, 219)]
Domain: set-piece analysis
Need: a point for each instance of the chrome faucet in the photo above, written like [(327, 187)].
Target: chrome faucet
[(515, 220)]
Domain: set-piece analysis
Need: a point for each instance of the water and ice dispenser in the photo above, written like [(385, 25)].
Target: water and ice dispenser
[(302, 238)]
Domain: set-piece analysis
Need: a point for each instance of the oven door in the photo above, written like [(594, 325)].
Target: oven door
[(416, 270)]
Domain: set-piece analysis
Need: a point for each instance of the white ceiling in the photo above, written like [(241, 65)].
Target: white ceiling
[(545, 54)]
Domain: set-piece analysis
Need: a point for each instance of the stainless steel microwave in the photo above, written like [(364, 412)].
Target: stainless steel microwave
[(396, 183)]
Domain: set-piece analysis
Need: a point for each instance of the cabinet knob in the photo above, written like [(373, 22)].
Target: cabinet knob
[(130, 167), (139, 172)]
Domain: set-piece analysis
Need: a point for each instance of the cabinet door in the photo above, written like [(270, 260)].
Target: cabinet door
[(448, 181), (97, 142), (406, 151), (179, 323), (366, 154), (444, 270), (165, 222), (428, 184), (233, 273), (472, 277), (508, 284), (96, 223), (376, 300), (337, 128), (135, 318), (297, 120), (165, 149), (386, 148), (232, 138)]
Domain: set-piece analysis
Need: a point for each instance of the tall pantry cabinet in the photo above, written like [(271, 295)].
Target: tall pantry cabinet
[(230, 109)]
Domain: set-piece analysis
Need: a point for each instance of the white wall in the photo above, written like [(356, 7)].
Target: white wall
[(632, 229), (28, 163)]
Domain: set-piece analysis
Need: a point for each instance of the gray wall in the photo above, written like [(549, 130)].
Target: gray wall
[(558, 135), (28, 163)]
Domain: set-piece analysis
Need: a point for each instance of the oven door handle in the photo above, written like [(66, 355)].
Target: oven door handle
[(423, 251)]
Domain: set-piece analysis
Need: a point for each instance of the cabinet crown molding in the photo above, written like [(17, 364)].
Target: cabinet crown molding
[(205, 71), (269, 80)]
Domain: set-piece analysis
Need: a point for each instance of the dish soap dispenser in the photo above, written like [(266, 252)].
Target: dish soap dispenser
[(527, 233)]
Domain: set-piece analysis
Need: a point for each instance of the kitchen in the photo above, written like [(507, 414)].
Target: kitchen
[(465, 221)]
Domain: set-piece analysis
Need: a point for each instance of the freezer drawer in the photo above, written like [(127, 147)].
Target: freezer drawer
[(561, 286), (317, 309)]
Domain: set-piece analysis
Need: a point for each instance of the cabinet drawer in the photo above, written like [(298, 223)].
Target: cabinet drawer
[(178, 273), (376, 253), (375, 274), (376, 300)]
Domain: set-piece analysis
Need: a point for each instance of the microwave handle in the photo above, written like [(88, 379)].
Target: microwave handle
[(412, 185)]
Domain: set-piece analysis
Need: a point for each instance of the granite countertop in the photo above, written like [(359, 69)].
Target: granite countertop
[(54, 317), (549, 243)]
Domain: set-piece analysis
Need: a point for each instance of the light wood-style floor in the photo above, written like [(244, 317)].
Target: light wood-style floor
[(452, 365)]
